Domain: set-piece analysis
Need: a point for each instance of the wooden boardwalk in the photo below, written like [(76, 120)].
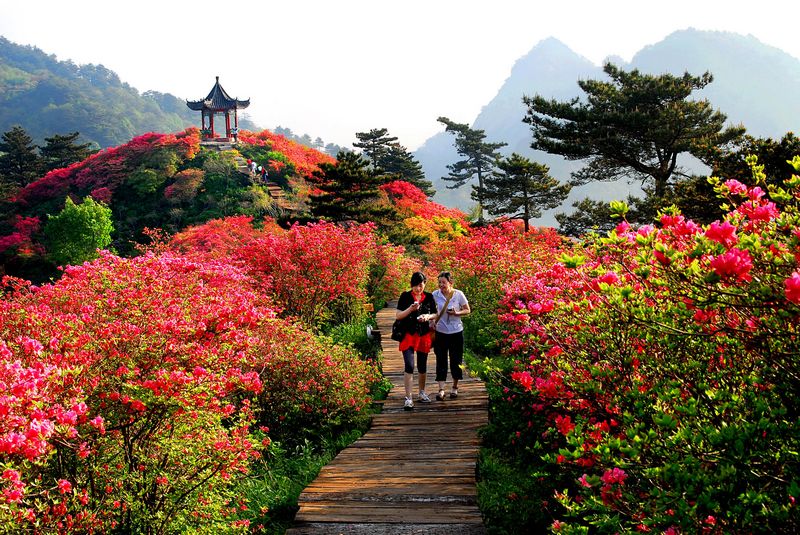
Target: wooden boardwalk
[(413, 472)]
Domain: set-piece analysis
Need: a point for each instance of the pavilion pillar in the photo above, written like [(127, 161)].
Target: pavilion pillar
[(211, 115), (227, 123)]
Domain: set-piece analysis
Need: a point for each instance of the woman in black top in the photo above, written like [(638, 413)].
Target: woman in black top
[(416, 308)]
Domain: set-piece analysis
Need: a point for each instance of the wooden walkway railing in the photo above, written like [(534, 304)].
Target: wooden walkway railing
[(412, 472)]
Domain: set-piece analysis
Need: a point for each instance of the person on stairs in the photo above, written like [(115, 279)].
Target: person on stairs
[(449, 333), (416, 308)]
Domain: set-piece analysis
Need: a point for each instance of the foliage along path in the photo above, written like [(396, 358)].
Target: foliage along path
[(412, 472)]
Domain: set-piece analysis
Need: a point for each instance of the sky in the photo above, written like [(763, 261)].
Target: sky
[(331, 69)]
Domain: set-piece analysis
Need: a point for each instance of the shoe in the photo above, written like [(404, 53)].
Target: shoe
[(423, 397), (440, 396), (454, 393), (408, 405)]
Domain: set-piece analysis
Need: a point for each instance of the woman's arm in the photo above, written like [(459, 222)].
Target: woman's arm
[(405, 306), (463, 310)]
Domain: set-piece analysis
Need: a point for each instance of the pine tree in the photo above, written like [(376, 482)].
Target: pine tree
[(479, 159), (521, 189), (62, 151), (373, 144), (350, 192), (633, 125), (19, 162), (390, 158)]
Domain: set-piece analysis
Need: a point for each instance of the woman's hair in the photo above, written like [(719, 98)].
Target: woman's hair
[(418, 278), (446, 275)]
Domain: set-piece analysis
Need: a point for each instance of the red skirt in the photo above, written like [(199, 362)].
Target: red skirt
[(421, 343)]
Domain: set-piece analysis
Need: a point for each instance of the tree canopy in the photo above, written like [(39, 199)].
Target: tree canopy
[(349, 191), (521, 189), (63, 150), (392, 159), (634, 125), (74, 235), (19, 161), (479, 159)]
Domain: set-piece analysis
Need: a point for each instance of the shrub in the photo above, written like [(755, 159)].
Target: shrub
[(78, 231), (658, 370)]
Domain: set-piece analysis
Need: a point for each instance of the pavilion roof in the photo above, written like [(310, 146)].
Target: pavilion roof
[(217, 99)]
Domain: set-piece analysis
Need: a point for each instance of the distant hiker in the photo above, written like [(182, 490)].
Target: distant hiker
[(251, 167), (235, 134), (264, 173)]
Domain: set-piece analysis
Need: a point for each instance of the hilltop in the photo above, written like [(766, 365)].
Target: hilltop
[(47, 96)]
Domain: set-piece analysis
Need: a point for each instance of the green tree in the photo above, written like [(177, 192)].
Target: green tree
[(479, 159), (588, 215), (373, 144), (350, 192), (62, 150), (392, 159), (399, 161), (696, 197), (19, 162), (521, 189), (74, 235), (633, 125)]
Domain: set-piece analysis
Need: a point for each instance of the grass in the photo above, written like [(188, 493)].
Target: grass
[(279, 478)]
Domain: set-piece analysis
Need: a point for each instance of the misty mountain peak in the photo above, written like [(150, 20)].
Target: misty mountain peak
[(546, 55)]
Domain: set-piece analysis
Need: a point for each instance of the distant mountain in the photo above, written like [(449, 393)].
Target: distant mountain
[(46, 96), (754, 84)]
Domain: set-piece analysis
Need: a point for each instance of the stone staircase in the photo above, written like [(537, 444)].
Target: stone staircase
[(274, 190)]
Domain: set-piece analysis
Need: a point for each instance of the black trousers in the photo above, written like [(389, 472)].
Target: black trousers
[(451, 345)]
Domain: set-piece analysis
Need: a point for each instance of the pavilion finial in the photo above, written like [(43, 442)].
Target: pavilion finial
[(217, 78)]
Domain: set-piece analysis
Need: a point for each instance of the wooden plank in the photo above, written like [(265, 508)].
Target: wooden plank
[(412, 472), (376, 528)]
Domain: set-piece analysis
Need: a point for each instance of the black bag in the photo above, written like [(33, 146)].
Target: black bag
[(397, 331)]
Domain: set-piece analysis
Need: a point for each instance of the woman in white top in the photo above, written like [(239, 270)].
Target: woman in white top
[(449, 333)]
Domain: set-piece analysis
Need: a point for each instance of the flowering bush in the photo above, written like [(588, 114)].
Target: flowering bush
[(484, 262), (657, 371), (313, 268), (300, 159), (25, 228), (126, 392), (428, 219), (390, 274), (130, 389), (110, 168)]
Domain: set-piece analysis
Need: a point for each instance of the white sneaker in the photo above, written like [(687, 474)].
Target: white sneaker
[(408, 405), (423, 397)]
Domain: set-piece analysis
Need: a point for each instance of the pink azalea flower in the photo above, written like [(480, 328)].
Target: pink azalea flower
[(733, 264), (64, 486), (723, 233), (792, 288), (735, 186)]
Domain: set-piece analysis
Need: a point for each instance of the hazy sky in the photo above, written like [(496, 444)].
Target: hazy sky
[(331, 69)]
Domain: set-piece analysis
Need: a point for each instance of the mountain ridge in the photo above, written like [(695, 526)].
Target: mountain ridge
[(758, 95)]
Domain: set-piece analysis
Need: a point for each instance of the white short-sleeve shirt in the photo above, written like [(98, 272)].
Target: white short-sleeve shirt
[(449, 324)]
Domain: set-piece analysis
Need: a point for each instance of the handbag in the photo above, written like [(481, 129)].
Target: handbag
[(397, 331)]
